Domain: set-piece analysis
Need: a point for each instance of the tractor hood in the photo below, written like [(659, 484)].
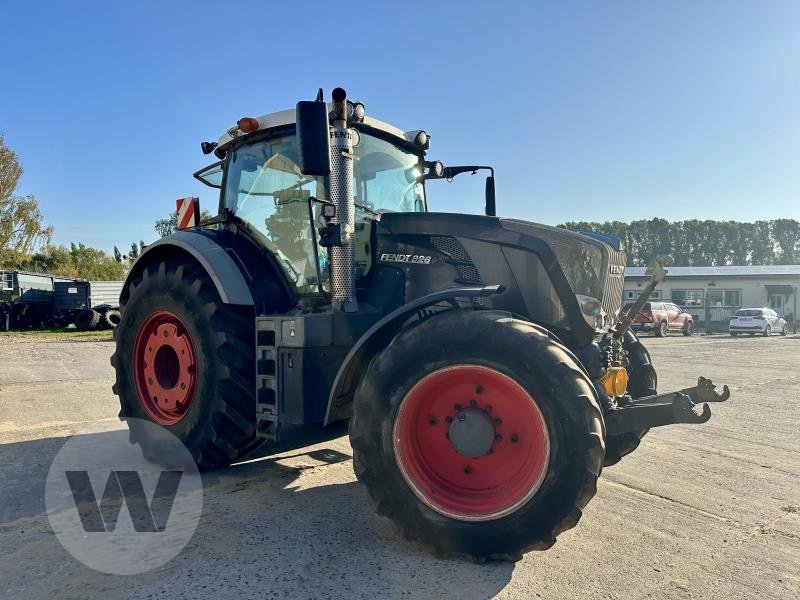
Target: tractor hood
[(545, 271)]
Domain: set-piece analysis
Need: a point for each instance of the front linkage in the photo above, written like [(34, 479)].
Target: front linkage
[(628, 415), (665, 409)]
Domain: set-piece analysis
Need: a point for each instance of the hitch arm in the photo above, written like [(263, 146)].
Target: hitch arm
[(665, 409)]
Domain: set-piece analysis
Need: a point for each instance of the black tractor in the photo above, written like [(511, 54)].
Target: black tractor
[(482, 362)]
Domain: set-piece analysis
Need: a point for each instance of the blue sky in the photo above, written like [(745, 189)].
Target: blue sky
[(588, 110)]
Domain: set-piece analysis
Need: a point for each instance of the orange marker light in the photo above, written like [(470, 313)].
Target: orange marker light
[(615, 381), (247, 124)]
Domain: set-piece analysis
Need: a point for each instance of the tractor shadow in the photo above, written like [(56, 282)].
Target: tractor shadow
[(288, 522)]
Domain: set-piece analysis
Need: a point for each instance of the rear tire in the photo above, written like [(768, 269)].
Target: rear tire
[(214, 416), (768, 331), (785, 330), (662, 330), (383, 436), (733, 334)]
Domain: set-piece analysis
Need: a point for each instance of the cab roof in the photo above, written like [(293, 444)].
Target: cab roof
[(287, 117)]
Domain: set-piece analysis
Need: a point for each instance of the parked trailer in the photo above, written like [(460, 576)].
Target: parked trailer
[(87, 304), (37, 299), (26, 299)]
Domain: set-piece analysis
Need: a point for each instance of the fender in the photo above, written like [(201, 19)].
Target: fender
[(377, 336), (201, 246)]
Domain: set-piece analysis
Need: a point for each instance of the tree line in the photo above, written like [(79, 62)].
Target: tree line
[(704, 243)]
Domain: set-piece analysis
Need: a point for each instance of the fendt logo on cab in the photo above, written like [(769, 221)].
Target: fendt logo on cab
[(414, 259), (615, 269)]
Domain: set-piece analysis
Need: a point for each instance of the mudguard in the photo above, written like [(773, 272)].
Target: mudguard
[(377, 336), (200, 245)]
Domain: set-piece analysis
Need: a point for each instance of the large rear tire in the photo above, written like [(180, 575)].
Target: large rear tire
[(186, 361), (642, 381), (494, 497)]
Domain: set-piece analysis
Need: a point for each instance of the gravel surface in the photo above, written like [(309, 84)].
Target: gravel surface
[(710, 511)]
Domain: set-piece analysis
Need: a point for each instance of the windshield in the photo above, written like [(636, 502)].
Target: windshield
[(749, 312), (388, 179), (265, 188)]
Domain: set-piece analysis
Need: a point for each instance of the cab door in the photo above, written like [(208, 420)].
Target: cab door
[(674, 320)]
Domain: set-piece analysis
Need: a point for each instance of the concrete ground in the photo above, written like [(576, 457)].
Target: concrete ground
[(710, 511)]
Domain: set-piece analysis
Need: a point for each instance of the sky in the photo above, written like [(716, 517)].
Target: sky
[(587, 110)]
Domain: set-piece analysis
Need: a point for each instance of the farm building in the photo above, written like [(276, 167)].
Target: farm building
[(713, 294)]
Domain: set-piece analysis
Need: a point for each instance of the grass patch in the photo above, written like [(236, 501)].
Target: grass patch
[(55, 335)]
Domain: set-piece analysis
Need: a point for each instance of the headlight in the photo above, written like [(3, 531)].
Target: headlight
[(592, 311)]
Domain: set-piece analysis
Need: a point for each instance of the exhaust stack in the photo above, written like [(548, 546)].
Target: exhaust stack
[(342, 184)]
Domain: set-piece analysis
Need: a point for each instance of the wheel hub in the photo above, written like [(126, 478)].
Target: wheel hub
[(165, 368), (472, 433), (471, 443)]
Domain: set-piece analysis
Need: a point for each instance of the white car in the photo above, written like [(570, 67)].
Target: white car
[(763, 321)]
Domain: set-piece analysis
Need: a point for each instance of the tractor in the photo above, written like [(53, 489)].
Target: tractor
[(482, 363)]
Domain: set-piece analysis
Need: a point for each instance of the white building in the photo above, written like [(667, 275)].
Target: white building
[(714, 293)]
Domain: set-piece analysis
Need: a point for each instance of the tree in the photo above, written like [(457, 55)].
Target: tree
[(711, 243), (91, 263), (21, 228), (134, 253), (117, 255), (786, 233), (168, 226), (79, 261)]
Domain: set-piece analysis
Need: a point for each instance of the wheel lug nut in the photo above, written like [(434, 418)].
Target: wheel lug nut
[(488, 408), (498, 421), (150, 381), (461, 417), (457, 407), (448, 419), (183, 386), (490, 451), (478, 389), (498, 438), (473, 402), (432, 420), (467, 469), (514, 438)]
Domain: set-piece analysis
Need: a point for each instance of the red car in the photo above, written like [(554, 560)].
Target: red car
[(661, 318)]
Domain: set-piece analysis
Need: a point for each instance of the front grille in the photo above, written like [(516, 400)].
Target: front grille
[(460, 258), (613, 284)]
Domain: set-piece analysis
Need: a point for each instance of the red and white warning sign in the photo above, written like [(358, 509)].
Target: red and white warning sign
[(188, 212)]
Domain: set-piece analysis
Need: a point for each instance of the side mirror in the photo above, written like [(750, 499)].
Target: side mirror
[(313, 138), (491, 209)]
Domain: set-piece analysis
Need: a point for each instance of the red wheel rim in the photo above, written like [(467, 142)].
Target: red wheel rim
[(489, 486), (165, 368)]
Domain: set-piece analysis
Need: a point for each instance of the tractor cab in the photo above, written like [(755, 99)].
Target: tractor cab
[(263, 187)]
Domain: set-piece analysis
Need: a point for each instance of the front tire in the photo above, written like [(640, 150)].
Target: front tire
[(768, 331), (185, 361), (688, 331), (480, 497)]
